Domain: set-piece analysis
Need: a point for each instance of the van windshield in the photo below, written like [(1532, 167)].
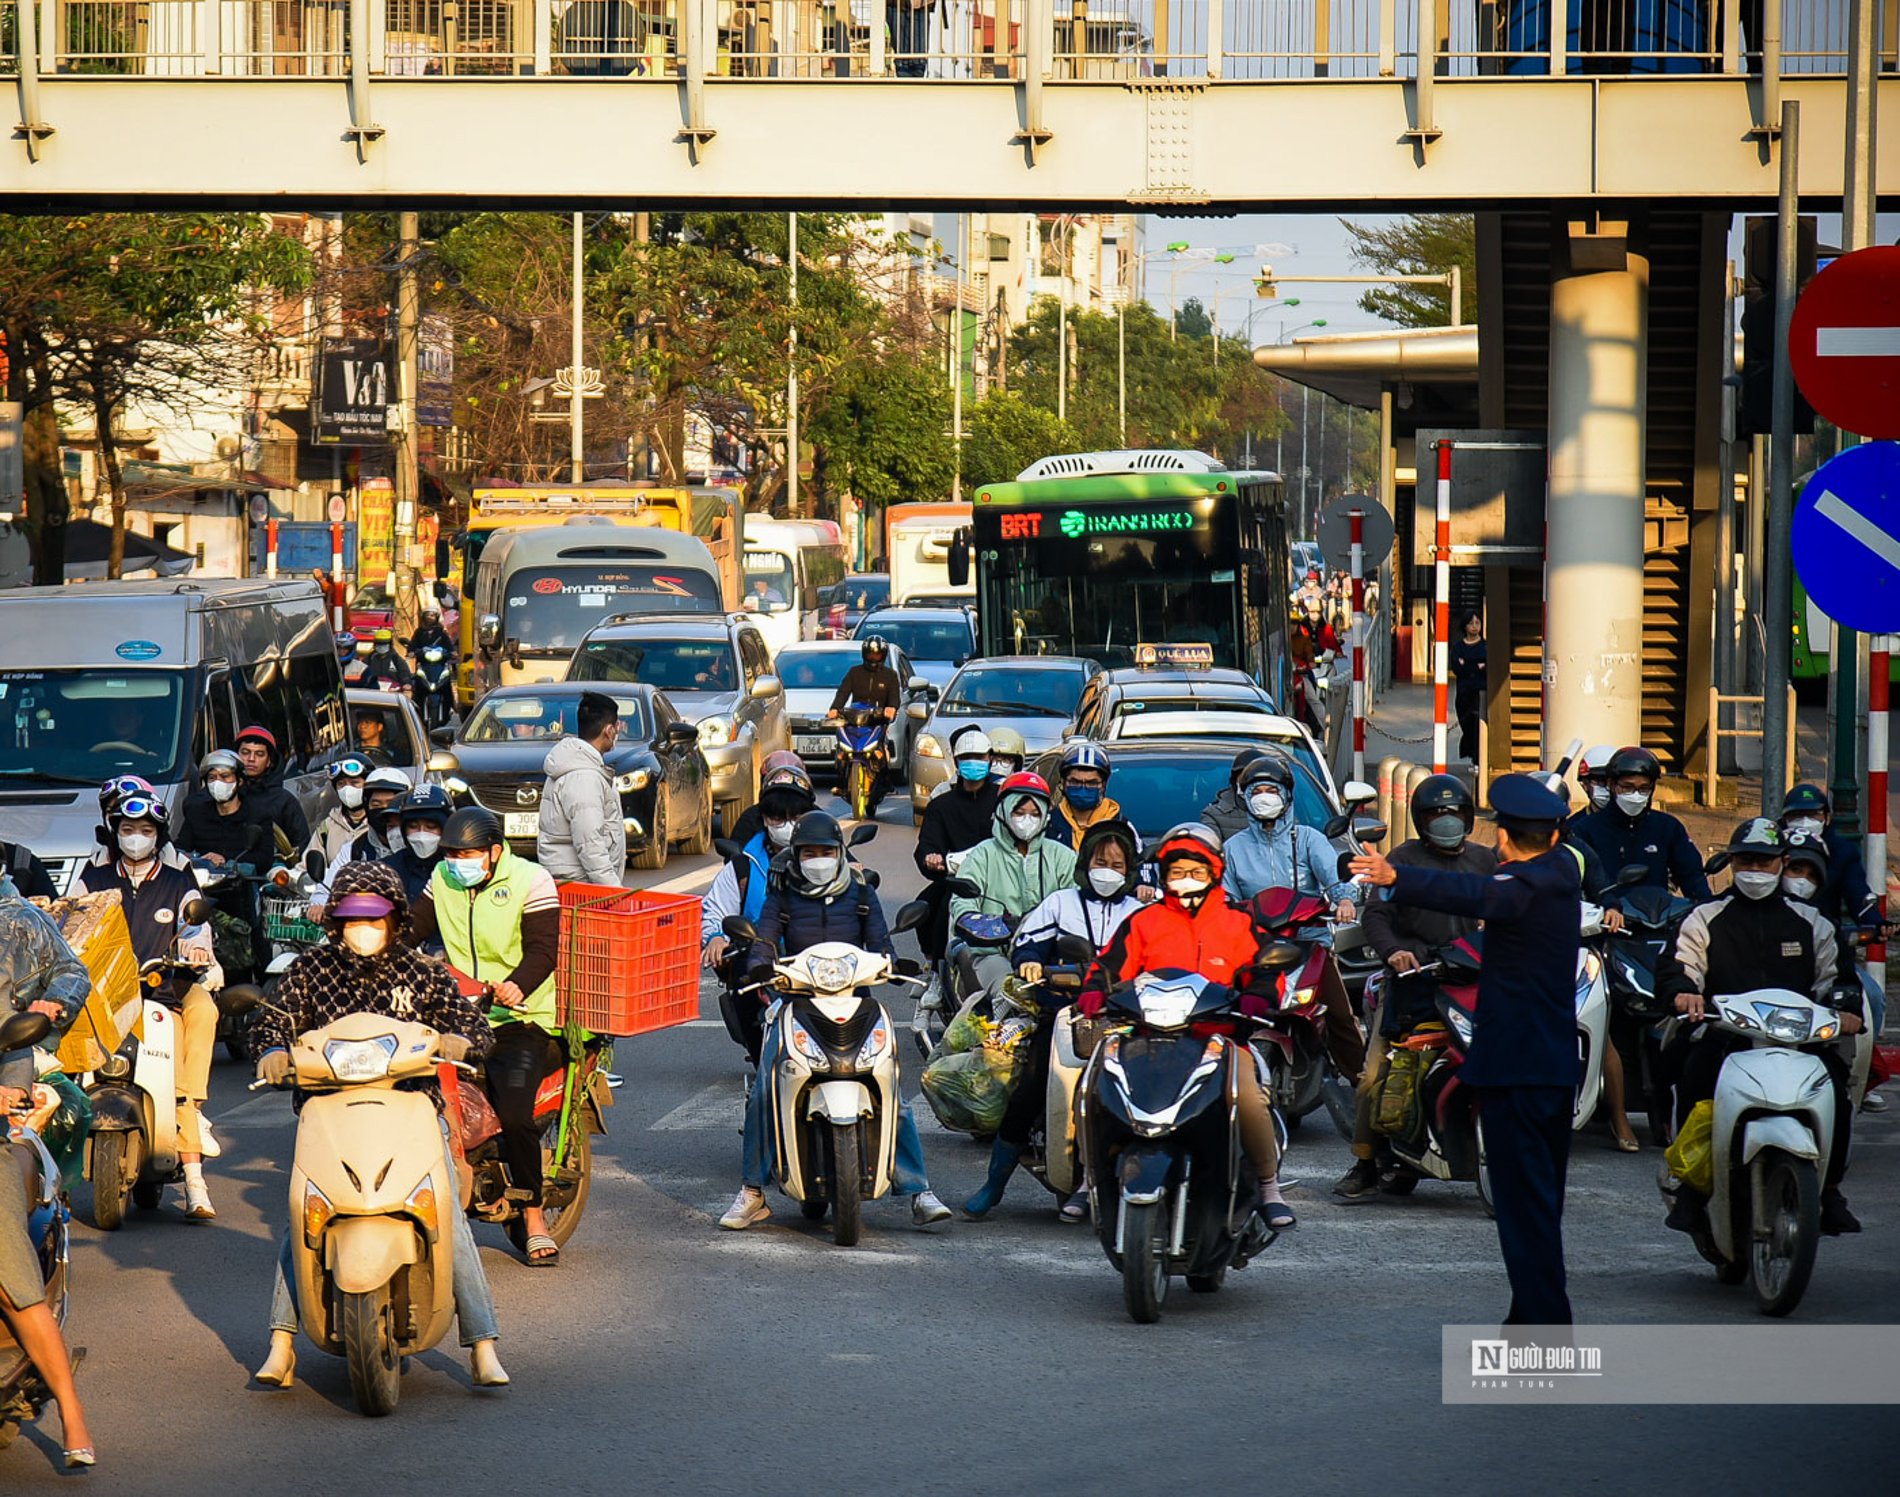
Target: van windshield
[(85, 725), (551, 608), (769, 584)]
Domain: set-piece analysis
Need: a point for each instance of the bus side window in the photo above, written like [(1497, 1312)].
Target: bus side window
[(218, 722), (260, 703)]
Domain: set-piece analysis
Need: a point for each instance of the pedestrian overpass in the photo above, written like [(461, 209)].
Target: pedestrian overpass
[(1200, 105)]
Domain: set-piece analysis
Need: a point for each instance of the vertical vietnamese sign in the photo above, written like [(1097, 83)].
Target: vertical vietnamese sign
[(353, 393), (376, 530)]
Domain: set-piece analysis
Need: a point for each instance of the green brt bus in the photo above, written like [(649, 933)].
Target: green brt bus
[(1092, 553)]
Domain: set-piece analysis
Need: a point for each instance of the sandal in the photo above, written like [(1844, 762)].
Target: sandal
[(542, 1251)]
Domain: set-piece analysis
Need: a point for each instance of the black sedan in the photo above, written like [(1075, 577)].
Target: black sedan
[(664, 783)]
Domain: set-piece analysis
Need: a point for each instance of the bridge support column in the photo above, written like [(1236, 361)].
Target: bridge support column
[(1593, 651)]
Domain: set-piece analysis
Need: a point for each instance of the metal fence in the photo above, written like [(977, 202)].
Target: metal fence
[(944, 39)]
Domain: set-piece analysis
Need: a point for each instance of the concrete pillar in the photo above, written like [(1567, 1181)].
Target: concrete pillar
[(1598, 362)]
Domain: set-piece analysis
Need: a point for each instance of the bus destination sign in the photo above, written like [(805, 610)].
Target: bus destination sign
[(1027, 525)]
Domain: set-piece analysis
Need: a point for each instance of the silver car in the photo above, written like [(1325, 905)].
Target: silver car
[(812, 671), (1034, 694), (715, 671)]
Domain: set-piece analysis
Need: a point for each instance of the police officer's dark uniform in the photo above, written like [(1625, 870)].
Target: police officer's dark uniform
[(1523, 1055)]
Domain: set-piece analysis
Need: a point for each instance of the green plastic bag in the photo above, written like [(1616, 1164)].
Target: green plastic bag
[(1691, 1154), (965, 1032), (969, 1089)]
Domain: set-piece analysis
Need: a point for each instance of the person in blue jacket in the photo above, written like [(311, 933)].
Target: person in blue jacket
[(1631, 830), (1522, 1060), (818, 895)]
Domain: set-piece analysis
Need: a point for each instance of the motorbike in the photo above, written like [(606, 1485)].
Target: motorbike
[(863, 757), (1169, 1188), (570, 1107), (1773, 1127), (1593, 1018), (1651, 918), (284, 907), (833, 1098), (371, 1259), (23, 1393), (1304, 1076), (1443, 1138), (435, 686), (132, 1154), (1053, 1154)]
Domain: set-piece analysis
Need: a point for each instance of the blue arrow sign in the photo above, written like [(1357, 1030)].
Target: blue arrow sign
[(1847, 538)]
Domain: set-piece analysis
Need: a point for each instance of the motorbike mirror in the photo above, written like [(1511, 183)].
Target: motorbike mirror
[(314, 865), (727, 848), (194, 911), (1358, 793), (1632, 874), (738, 928), (1074, 949), (1368, 829), (967, 888), (1336, 826), (871, 879), (23, 1031), (862, 833), (908, 966), (912, 915), (238, 999), (1279, 956), (1716, 861)]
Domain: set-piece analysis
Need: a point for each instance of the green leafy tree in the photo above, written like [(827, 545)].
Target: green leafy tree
[(1004, 433), (1418, 244)]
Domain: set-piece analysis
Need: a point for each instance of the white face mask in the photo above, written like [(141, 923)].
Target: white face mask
[(1797, 887), (818, 871), (1756, 885), (1026, 824), (1809, 824), (1632, 802), (1107, 882), (221, 790), (1599, 797), (392, 839), (1266, 805), (137, 847), (365, 937), (1187, 888), (349, 796), (779, 833), (424, 844)]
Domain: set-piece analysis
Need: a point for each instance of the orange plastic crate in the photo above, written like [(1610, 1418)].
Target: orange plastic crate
[(629, 958)]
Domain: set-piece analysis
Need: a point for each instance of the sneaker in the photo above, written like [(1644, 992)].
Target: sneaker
[(926, 1209), (1873, 1102), (198, 1203), (1360, 1181), (747, 1207), (1836, 1219)]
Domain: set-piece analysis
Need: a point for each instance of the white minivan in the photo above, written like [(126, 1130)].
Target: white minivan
[(788, 563)]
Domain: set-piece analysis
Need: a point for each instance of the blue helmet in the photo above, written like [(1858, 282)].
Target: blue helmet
[(425, 801), (1086, 756), (345, 645)]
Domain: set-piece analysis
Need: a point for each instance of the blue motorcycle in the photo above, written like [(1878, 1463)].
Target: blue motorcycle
[(863, 757), (435, 686)]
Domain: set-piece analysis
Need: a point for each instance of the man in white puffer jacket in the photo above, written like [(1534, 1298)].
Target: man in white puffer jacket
[(583, 834)]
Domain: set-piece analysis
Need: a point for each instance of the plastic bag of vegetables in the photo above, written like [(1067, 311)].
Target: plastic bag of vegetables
[(969, 1089)]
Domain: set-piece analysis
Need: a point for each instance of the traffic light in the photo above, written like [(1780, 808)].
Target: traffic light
[(1263, 283), (1758, 321)]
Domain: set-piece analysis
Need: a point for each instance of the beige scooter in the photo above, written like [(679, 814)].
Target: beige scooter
[(371, 1244)]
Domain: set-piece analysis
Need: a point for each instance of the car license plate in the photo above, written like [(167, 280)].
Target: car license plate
[(522, 824), (815, 743)]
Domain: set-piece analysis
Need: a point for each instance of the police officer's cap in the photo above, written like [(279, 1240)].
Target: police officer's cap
[(1526, 799), (1758, 835)]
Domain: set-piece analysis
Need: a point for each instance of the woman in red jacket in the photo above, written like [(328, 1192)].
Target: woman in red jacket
[(1193, 928)]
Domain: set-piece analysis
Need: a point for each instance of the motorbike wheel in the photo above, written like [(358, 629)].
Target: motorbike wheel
[(1144, 1263), (1781, 1263), (857, 784), (562, 1220), (146, 1195), (1207, 1283), (652, 857), (114, 1167), (847, 1218), (368, 1332)]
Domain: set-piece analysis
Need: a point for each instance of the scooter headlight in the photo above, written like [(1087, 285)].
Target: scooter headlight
[(876, 1044), (360, 1060), (115, 1067), (317, 1212), (1789, 1025), (832, 974), (421, 1204), (1304, 996), (806, 1046)]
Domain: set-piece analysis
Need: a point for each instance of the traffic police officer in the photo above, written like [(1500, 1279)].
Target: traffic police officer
[(1523, 1056)]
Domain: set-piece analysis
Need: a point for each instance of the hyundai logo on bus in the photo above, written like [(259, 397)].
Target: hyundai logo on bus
[(1027, 526)]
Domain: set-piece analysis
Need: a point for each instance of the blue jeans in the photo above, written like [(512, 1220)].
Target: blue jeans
[(474, 1305), (909, 1174)]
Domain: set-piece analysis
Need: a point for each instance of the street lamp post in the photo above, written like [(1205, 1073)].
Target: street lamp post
[(576, 395)]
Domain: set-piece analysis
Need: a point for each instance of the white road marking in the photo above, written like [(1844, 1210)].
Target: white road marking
[(1857, 342), (1831, 506), (720, 1105), (270, 1110)]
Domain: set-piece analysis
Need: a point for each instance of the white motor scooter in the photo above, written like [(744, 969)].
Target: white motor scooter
[(1593, 1020), (1773, 1128)]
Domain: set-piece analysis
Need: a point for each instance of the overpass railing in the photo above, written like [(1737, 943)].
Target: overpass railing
[(1055, 40)]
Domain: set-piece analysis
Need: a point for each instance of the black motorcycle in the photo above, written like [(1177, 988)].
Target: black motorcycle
[(23, 1392), (1651, 917), (435, 686), (1169, 1186)]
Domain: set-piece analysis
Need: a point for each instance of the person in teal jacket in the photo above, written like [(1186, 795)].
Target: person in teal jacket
[(1018, 867)]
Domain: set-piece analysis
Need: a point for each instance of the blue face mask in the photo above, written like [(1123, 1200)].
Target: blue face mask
[(1083, 797), (973, 771)]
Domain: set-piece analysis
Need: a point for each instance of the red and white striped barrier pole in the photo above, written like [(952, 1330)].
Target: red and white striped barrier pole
[(1441, 613), (1358, 646), (1880, 651), (270, 549), (336, 576)]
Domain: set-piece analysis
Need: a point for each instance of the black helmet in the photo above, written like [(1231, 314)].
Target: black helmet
[(472, 829), (1805, 800), (1806, 847), (1633, 760), (1268, 769), (875, 649), (1438, 795), (1239, 767), (817, 829), (786, 800), (1112, 830)]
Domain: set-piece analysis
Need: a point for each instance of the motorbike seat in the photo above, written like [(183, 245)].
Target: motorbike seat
[(26, 1160)]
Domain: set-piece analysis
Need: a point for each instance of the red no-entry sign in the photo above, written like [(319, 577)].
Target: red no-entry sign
[(1845, 342)]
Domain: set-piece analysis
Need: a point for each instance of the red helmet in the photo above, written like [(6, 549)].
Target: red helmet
[(262, 735), (1192, 837), (1023, 782)]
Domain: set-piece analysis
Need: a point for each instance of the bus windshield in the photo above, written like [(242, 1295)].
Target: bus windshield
[(79, 727), (551, 608), (770, 585), (1094, 581)]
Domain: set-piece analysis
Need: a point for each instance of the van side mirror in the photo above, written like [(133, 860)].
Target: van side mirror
[(677, 733), (488, 631), (444, 735)]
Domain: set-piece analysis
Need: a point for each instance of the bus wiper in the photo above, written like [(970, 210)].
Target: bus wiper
[(50, 778)]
